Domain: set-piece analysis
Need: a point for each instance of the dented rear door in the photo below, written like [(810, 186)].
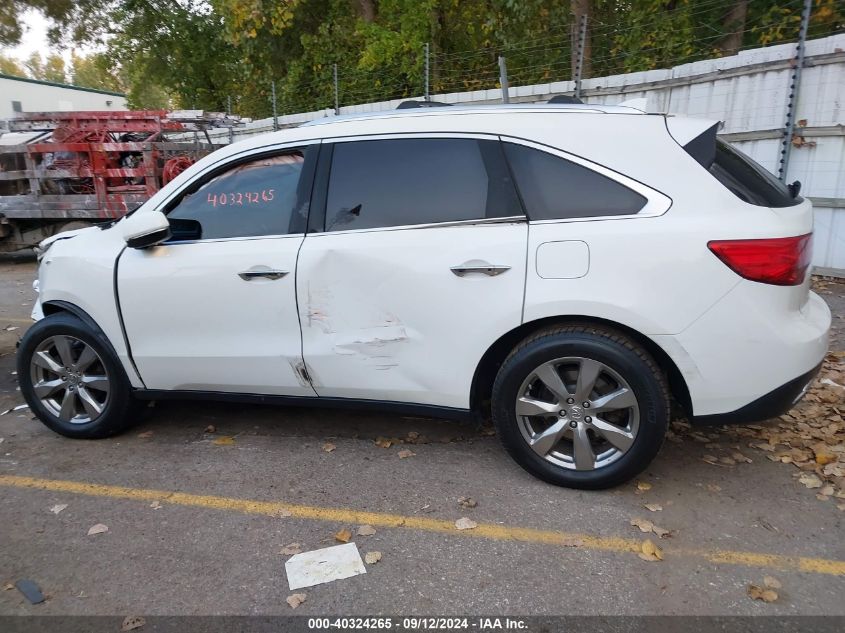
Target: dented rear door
[(416, 267)]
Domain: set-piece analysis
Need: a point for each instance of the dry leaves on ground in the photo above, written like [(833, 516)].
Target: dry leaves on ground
[(290, 549), (465, 523), (767, 592), (296, 599), (210, 429), (344, 536), (650, 552), (145, 435), (371, 558), (647, 526), (132, 622), (224, 440), (643, 486), (386, 442), (653, 507), (366, 530), (329, 447), (811, 437), (156, 505), (58, 508), (404, 453), (99, 528), (467, 502)]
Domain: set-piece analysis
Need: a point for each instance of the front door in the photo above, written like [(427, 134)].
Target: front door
[(417, 269), (217, 312)]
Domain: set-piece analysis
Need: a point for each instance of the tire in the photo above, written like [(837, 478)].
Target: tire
[(630, 395), (88, 383)]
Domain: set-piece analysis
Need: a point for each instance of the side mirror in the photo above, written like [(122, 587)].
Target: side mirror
[(144, 229)]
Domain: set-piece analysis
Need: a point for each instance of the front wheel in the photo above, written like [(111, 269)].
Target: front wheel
[(581, 406), (72, 380)]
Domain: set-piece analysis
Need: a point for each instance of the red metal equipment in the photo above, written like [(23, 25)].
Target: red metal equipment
[(89, 166)]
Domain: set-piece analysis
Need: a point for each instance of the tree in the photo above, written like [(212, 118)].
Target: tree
[(9, 66), (96, 71)]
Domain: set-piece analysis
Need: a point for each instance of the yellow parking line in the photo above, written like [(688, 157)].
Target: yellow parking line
[(484, 530)]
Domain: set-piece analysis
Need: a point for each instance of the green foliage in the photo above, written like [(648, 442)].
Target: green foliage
[(204, 53), (9, 66)]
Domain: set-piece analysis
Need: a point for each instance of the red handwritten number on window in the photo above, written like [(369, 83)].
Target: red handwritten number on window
[(239, 198)]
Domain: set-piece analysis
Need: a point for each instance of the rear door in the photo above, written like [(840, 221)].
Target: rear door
[(415, 269)]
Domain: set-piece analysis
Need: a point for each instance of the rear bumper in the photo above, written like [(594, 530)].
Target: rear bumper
[(773, 404)]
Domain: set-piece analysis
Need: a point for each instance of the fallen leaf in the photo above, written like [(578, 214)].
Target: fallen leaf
[(344, 536), (132, 622), (224, 440), (11, 328), (650, 552), (771, 582), (329, 447), (371, 558), (58, 508), (406, 453), (383, 442), (758, 593), (465, 523), (653, 507), (290, 549), (156, 504), (366, 530), (661, 532), (644, 524), (727, 461), (467, 502), (210, 429), (145, 435), (8, 586), (741, 458), (643, 486), (97, 529), (295, 600), (714, 488), (810, 480)]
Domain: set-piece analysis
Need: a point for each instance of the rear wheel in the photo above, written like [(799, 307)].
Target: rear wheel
[(581, 406), (72, 380)]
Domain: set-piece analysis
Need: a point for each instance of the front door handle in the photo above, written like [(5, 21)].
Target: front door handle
[(480, 267), (262, 272)]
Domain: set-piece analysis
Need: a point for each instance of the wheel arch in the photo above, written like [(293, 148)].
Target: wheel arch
[(488, 366)]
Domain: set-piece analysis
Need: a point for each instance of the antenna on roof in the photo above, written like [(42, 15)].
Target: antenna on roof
[(564, 99), (406, 105)]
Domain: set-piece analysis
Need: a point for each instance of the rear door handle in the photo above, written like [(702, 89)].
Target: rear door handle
[(262, 272), (479, 267)]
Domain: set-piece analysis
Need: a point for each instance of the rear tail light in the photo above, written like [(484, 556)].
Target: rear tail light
[(781, 261)]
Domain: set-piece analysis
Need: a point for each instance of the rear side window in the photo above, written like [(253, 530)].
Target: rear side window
[(417, 181), (553, 188), (748, 180)]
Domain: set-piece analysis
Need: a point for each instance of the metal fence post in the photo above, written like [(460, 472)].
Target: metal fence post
[(336, 95), (427, 70), (273, 97), (229, 104), (792, 96), (579, 54), (503, 79)]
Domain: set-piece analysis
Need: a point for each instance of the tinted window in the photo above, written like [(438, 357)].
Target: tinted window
[(417, 181), (553, 188), (265, 196), (748, 180)]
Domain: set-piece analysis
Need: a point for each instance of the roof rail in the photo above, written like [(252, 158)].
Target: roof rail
[(564, 99), (405, 105)]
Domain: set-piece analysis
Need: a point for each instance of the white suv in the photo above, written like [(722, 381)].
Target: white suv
[(569, 270)]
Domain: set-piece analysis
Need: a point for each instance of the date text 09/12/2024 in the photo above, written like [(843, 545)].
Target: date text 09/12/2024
[(419, 623)]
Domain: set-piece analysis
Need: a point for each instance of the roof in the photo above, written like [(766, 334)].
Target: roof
[(504, 108), (56, 84)]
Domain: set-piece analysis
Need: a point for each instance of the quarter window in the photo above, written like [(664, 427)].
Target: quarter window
[(417, 181), (553, 188), (265, 196)]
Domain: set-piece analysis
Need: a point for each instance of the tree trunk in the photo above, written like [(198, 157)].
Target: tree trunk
[(733, 24), (581, 8)]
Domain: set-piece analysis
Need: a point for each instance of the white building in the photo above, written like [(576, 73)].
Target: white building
[(19, 94)]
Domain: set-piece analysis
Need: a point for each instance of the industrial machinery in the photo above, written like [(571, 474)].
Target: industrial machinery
[(66, 170)]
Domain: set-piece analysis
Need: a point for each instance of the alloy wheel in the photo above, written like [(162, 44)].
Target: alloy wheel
[(577, 413), (70, 379)]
